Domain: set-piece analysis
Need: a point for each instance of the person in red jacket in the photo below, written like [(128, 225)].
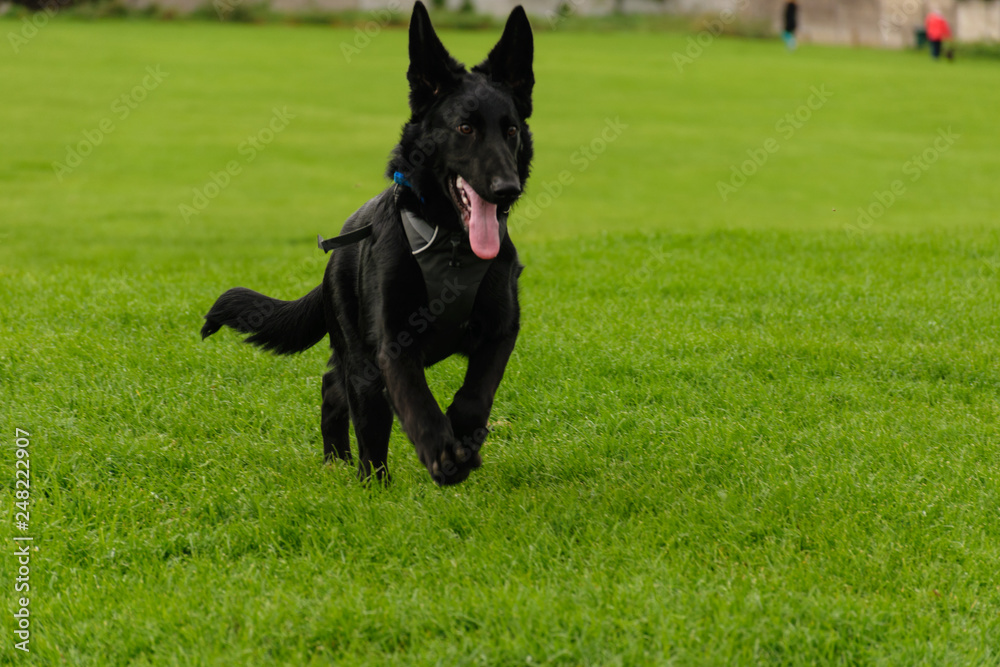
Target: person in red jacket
[(937, 31)]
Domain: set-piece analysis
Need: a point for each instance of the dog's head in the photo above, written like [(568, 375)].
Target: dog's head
[(466, 149)]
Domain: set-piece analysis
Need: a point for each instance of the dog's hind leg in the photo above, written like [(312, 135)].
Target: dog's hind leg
[(336, 417), (372, 417)]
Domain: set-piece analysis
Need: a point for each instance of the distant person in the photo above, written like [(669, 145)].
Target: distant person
[(791, 23), (937, 31)]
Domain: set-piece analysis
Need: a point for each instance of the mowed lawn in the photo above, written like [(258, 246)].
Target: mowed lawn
[(736, 429)]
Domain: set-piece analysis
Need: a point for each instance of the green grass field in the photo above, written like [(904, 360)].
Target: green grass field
[(734, 431)]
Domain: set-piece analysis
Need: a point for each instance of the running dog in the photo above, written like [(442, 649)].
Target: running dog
[(422, 271)]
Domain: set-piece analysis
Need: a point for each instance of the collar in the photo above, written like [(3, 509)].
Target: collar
[(399, 179)]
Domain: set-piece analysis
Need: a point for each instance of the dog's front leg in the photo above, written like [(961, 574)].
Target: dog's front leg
[(469, 412), (427, 427)]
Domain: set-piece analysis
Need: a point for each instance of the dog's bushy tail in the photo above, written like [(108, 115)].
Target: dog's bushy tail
[(283, 327)]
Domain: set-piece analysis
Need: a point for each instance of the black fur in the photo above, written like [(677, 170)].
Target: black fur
[(372, 298)]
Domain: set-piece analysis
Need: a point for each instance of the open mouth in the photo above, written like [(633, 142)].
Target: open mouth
[(479, 217)]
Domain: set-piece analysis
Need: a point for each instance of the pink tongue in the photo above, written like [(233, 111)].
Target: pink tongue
[(484, 229)]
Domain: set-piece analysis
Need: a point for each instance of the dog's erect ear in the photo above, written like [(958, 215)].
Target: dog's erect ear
[(432, 69), (509, 63)]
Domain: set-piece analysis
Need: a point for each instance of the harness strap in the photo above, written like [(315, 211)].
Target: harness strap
[(361, 233), (346, 239)]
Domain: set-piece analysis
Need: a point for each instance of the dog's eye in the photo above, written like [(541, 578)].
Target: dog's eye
[(512, 131), (465, 129)]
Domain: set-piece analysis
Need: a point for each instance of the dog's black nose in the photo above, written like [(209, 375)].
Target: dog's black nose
[(506, 188)]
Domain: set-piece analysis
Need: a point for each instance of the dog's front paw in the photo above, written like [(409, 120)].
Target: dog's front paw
[(452, 462)]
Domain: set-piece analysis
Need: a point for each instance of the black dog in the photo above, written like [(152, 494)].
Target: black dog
[(422, 271)]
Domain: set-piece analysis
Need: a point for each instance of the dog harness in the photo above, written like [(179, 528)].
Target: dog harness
[(451, 271), (452, 274)]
